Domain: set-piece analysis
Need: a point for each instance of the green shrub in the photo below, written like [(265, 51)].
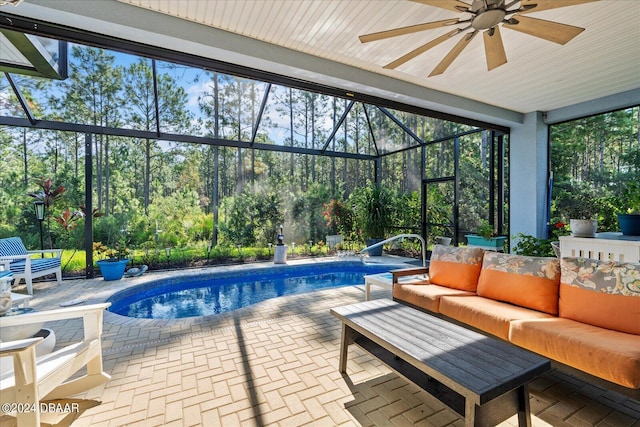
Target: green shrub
[(532, 246)]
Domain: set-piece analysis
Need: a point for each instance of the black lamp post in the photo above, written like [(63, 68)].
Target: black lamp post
[(38, 208)]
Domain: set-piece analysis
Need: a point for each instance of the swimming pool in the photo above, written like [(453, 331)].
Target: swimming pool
[(219, 292)]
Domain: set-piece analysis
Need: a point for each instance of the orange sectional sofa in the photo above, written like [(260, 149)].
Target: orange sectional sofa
[(584, 314)]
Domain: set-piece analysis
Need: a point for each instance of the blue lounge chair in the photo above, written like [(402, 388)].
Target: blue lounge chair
[(17, 259)]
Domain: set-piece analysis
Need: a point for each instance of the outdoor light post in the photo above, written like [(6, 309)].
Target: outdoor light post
[(167, 250), (280, 251), (38, 207)]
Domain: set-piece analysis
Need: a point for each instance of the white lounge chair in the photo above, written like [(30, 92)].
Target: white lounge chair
[(34, 379), (17, 259)]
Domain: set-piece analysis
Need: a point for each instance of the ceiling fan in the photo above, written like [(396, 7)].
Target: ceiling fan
[(484, 15)]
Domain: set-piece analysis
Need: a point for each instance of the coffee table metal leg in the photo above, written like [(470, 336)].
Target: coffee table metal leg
[(524, 409)]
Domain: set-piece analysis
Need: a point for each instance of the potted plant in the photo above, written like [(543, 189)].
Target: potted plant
[(583, 227), (583, 217), (115, 261), (339, 219), (629, 220), (486, 237), (374, 214)]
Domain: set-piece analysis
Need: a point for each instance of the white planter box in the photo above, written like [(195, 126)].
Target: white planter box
[(280, 254)]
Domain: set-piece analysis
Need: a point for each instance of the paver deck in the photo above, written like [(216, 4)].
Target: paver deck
[(274, 363)]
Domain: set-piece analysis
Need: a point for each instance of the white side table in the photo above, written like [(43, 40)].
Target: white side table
[(605, 246), (385, 280)]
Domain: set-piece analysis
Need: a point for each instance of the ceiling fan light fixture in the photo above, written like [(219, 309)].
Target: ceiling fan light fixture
[(488, 18)]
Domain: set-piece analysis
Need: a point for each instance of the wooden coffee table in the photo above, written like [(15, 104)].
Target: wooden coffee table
[(483, 379)]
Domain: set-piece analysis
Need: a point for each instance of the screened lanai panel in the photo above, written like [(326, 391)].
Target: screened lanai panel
[(432, 128), (401, 171), (474, 178), (315, 119), (9, 103), (299, 118), (339, 135), (288, 118), (239, 103), (392, 130), (104, 88), (173, 113), (359, 139), (201, 104), (440, 203), (440, 159), (353, 133)]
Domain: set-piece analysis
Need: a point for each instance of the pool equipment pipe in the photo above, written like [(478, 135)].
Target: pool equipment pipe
[(402, 236)]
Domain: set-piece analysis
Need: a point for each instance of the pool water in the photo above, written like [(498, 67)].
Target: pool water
[(214, 293)]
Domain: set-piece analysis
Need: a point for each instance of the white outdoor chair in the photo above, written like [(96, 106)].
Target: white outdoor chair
[(17, 259), (48, 377)]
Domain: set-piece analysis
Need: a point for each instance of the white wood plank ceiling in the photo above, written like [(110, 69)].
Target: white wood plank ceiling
[(539, 76)]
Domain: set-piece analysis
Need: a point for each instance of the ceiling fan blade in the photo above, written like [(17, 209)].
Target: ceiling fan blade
[(453, 54), (454, 5), (398, 62), (406, 30), (494, 49), (548, 30), (550, 4)]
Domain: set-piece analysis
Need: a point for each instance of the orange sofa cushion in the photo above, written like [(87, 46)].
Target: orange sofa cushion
[(601, 293), (486, 314), (425, 296), (614, 356), (455, 267), (530, 282)]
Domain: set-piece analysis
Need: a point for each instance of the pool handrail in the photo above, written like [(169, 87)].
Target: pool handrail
[(402, 236)]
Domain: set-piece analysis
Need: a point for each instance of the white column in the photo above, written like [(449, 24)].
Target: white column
[(529, 176)]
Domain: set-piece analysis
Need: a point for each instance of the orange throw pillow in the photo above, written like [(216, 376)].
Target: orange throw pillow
[(455, 267), (601, 293), (530, 282)]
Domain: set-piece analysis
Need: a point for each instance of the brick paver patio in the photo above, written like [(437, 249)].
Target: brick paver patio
[(276, 363)]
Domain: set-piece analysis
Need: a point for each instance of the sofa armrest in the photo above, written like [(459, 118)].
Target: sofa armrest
[(408, 272)]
